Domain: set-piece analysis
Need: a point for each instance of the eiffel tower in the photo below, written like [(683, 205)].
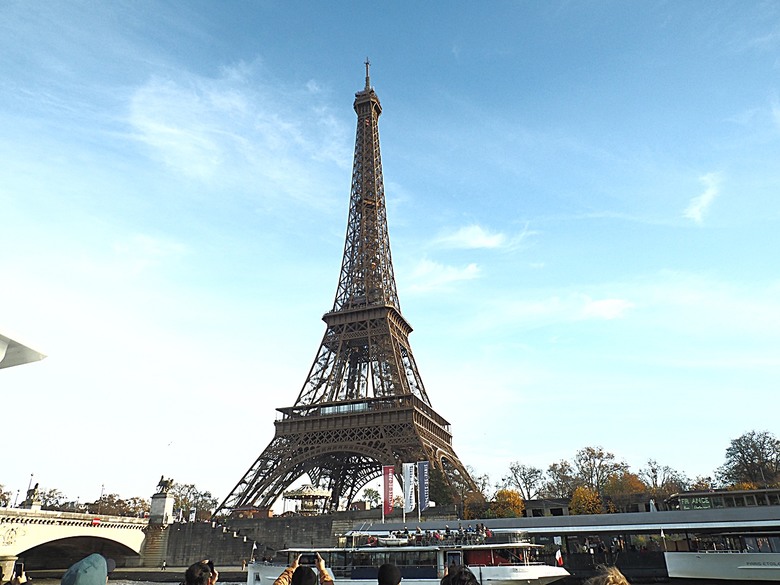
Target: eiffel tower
[(363, 404)]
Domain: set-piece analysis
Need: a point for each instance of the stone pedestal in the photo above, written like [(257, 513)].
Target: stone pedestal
[(32, 503), (7, 567), (161, 513)]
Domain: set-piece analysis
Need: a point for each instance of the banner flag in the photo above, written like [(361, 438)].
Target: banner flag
[(422, 483), (387, 474), (408, 487)]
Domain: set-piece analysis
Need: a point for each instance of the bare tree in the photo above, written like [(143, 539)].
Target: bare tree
[(662, 480), (561, 480), (595, 466), (528, 480)]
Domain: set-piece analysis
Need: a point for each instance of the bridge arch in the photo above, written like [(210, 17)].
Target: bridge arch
[(33, 533)]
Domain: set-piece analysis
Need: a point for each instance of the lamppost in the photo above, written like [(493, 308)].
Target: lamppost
[(100, 501), (16, 499)]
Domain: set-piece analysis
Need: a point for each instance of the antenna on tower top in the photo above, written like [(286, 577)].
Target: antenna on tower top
[(368, 78)]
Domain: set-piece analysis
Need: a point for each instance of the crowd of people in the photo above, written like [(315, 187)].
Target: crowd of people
[(95, 569), (471, 534)]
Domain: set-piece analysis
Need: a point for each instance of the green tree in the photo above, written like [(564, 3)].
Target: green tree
[(113, 505), (752, 458), (438, 488), (528, 480), (187, 497), (5, 497), (51, 499), (372, 496), (507, 504), (585, 501)]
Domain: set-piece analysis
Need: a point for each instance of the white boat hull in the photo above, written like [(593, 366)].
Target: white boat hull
[(260, 574), (726, 565)]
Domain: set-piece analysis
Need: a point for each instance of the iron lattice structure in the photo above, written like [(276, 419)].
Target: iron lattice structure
[(363, 404)]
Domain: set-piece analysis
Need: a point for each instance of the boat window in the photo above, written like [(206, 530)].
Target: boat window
[(454, 558), (729, 502), (750, 499), (774, 499), (774, 543), (751, 544), (717, 502), (763, 544)]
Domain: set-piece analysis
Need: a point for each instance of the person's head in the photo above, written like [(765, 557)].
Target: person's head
[(304, 576), (461, 575), (608, 576), (91, 570), (388, 574), (201, 573)]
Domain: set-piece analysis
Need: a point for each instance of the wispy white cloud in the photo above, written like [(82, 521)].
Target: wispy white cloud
[(699, 205), (607, 309), (776, 112), (234, 129), (569, 308), (474, 236), (430, 276)]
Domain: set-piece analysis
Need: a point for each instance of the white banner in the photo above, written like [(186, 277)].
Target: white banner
[(408, 487)]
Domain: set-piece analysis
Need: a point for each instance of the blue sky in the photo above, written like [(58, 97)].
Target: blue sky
[(582, 202)]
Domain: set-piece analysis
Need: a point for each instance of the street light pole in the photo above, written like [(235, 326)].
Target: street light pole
[(100, 501)]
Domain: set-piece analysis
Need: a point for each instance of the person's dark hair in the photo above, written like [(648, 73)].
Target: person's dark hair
[(462, 576), (199, 573), (304, 576), (388, 574)]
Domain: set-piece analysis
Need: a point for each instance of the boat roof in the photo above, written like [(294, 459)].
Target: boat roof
[(413, 547), (755, 518)]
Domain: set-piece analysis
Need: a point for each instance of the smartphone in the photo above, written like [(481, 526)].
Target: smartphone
[(308, 559)]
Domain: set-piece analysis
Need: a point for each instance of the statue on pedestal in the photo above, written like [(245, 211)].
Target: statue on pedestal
[(163, 486)]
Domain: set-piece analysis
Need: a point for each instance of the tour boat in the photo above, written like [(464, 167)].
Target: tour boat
[(422, 561), (730, 557)]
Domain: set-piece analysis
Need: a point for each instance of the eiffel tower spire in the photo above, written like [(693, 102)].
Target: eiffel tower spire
[(363, 404)]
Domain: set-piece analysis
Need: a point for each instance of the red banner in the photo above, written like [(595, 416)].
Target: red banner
[(387, 474)]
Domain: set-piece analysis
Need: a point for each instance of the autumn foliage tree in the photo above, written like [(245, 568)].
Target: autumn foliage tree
[(621, 490), (506, 504), (585, 501)]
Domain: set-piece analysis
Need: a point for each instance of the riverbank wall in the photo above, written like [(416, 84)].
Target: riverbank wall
[(238, 540)]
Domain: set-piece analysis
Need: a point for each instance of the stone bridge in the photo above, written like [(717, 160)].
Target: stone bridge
[(65, 537)]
